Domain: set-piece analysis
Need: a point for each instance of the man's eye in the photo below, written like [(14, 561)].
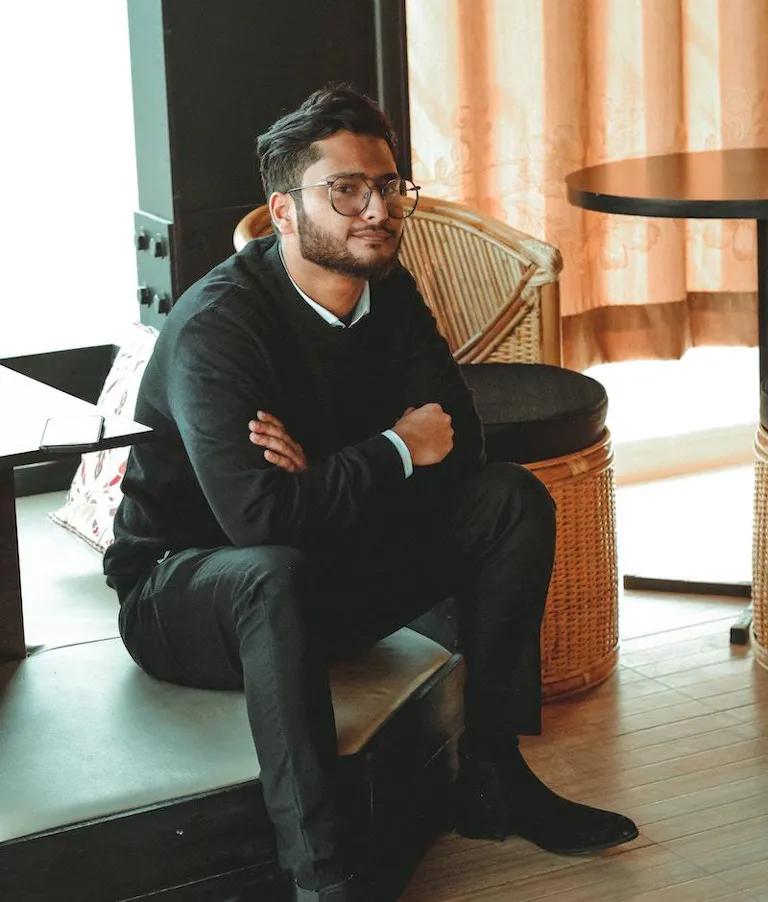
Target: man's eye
[(346, 188)]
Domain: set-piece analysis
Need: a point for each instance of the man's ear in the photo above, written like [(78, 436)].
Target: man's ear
[(283, 212)]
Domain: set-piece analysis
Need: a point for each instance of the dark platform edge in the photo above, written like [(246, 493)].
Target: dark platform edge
[(219, 845)]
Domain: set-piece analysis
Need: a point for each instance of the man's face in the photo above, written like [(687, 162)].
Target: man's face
[(363, 246)]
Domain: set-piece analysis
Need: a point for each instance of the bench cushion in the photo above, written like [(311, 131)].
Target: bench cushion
[(86, 734), (66, 598)]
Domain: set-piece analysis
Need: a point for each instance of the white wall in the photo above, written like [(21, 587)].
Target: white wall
[(68, 170)]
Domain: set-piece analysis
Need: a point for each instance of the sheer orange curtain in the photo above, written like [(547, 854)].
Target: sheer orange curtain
[(509, 96)]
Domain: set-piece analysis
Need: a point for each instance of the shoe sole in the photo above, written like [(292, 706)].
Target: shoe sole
[(588, 850), (500, 836)]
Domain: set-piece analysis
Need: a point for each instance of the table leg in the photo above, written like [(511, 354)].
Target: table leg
[(12, 647), (740, 628)]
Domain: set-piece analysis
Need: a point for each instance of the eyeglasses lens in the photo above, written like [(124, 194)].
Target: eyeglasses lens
[(350, 196)]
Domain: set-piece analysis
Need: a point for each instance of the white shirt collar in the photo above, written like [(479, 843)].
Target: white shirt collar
[(361, 309)]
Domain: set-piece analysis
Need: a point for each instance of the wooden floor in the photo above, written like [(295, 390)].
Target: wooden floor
[(678, 740)]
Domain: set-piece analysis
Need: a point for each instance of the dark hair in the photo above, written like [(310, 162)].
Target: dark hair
[(288, 149)]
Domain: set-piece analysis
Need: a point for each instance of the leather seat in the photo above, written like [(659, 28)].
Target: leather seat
[(532, 411)]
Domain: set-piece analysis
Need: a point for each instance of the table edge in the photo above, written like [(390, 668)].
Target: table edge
[(35, 456), (669, 208)]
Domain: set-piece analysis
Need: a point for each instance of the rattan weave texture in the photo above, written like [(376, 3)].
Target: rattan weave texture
[(580, 632), (760, 551), (493, 280)]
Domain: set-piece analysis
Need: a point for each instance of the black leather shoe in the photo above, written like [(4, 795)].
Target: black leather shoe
[(485, 809)]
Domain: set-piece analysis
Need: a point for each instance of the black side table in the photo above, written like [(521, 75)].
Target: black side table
[(718, 184), (25, 404)]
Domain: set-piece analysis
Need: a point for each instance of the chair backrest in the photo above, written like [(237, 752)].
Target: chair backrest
[(493, 290)]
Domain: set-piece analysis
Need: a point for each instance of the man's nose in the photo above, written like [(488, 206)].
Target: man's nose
[(377, 210)]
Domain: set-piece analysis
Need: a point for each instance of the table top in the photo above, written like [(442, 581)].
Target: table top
[(711, 184), (25, 405)]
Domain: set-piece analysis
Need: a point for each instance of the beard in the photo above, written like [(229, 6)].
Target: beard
[(325, 249)]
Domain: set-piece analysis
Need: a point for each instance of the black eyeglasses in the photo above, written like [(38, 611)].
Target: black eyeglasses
[(350, 194)]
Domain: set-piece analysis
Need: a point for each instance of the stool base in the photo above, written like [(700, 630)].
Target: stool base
[(580, 631)]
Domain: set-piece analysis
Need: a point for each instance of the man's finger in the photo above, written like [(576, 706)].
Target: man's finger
[(277, 432), (281, 447), (270, 429), (266, 417), (275, 443), (269, 433), (279, 460)]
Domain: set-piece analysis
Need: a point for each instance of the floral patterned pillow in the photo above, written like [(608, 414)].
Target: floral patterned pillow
[(95, 493)]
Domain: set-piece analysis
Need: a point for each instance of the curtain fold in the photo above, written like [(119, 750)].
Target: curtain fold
[(509, 96)]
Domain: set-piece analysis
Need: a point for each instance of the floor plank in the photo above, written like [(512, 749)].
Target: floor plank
[(710, 818), (677, 739), (751, 878), (705, 657)]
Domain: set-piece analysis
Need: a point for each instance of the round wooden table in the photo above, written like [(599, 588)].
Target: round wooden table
[(713, 184)]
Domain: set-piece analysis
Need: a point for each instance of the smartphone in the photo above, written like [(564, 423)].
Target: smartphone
[(72, 433)]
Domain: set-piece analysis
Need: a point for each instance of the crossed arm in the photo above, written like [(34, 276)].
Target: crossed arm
[(426, 430)]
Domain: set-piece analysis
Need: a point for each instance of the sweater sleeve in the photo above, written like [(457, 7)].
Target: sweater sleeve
[(433, 376), (216, 383)]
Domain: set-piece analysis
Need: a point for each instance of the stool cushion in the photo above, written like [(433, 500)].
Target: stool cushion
[(533, 411)]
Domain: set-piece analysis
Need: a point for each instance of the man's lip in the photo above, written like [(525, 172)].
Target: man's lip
[(377, 236)]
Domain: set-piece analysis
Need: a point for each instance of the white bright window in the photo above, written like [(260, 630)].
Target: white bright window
[(69, 175)]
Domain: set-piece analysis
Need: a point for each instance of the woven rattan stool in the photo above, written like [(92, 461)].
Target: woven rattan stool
[(760, 551), (580, 632), (552, 421)]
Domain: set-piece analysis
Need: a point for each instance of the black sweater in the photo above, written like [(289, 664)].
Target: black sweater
[(241, 340)]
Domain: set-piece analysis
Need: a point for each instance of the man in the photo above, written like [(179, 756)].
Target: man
[(361, 499)]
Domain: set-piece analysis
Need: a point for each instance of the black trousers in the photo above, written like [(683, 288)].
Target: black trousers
[(271, 619)]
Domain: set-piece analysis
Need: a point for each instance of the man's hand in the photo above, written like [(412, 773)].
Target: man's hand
[(279, 448), (428, 433)]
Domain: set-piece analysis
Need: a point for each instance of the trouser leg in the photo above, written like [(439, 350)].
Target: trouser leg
[(503, 528), (503, 532), (261, 618), (226, 618)]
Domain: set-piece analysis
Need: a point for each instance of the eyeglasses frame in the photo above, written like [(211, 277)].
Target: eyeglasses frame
[(332, 179)]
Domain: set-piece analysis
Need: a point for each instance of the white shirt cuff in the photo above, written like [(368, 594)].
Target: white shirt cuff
[(402, 450)]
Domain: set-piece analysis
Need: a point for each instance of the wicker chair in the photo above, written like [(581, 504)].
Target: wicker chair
[(494, 293), (492, 289)]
